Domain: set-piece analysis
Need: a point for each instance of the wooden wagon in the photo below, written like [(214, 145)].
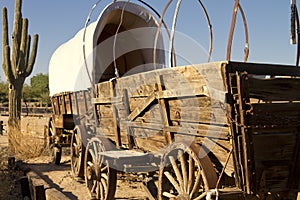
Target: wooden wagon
[(216, 130), (68, 109)]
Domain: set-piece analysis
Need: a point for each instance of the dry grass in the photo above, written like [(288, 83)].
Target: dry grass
[(31, 141), (28, 143)]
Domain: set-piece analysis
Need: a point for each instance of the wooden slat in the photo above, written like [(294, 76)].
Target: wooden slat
[(275, 89), (107, 100), (197, 130), (247, 148), (263, 69), (274, 114)]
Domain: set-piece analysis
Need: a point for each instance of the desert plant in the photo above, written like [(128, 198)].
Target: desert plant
[(17, 61)]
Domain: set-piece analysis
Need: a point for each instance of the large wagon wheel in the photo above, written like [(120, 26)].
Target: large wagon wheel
[(100, 179), (54, 149), (77, 152), (184, 174)]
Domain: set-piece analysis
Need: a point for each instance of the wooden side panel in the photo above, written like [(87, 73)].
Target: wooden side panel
[(74, 101), (269, 120), (275, 114), (274, 159), (193, 105), (55, 105), (274, 89), (68, 103), (81, 102), (62, 105)]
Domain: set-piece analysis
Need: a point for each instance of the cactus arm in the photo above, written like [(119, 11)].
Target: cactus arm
[(7, 65), (32, 55), (27, 50), (16, 37), (4, 28), (23, 46)]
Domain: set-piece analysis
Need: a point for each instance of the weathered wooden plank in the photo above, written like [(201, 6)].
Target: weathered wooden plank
[(274, 114), (262, 69), (107, 100), (274, 89), (274, 157), (103, 89), (54, 194), (196, 130), (75, 104)]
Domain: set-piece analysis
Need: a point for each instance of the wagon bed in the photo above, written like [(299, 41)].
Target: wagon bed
[(244, 116)]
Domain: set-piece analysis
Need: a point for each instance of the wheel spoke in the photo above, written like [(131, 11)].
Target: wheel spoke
[(101, 190), (104, 175), (169, 195), (184, 170), (90, 163), (74, 145), (91, 151), (94, 187), (96, 170), (173, 181), (177, 173), (191, 174), (182, 178), (104, 184), (201, 196), (95, 150), (98, 190), (105, 168), (77, 138), (51, 130), (75, 163), (196, 185)]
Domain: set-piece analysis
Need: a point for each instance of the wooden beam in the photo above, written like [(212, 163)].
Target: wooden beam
[(164, 107), (143, 105), (116, 127), (197, 130), (130, 136), (106, 100), (247, 143)]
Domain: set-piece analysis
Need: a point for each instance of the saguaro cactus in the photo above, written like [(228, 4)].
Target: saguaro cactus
[(17, 61)]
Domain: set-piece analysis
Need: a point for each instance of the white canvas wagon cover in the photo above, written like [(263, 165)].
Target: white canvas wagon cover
[(105, 52)]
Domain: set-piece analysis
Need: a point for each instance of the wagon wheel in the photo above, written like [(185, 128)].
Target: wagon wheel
[(54, 149), (100, 179), (77, 152), (184, 175)]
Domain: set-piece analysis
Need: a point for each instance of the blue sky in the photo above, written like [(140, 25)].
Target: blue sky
[(57, 21)]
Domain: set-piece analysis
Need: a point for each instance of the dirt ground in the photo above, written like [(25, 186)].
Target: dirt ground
[(60, 177)]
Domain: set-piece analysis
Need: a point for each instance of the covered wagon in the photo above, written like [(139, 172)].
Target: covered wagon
[(214, 130)]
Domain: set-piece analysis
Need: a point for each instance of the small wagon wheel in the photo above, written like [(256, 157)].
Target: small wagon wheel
[(184, 174), (54, 149), (77, 152), (100, 179)]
